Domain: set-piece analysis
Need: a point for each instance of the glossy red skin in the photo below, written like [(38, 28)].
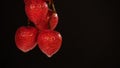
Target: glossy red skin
[(26, 38), (52, 19), (49, 42), (36, 10)]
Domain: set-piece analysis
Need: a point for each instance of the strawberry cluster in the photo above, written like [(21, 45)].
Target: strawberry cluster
[(43, 15)]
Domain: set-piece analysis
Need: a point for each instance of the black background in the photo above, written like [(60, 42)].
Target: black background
[(89, 29)]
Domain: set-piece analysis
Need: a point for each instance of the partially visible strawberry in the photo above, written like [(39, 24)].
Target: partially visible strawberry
[(25, 38), (49, 42), (52, 19), (36, 10)]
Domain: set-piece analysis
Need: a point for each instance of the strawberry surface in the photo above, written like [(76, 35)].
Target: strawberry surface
[(25, 38), (36, 10), (49, 42)]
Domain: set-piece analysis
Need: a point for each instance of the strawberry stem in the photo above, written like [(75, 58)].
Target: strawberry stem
[(53, 6), (49, 4)]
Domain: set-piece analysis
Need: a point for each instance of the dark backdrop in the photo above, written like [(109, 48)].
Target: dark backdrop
[(89, 29)]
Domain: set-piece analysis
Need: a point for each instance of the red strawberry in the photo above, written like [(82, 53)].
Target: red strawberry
[(53, 21), (25, 38), (49, 42), (36, 10)]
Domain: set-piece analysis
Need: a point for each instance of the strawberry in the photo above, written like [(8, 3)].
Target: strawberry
[(49, 42), (36, 10), (53, 21), (25, 38)]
